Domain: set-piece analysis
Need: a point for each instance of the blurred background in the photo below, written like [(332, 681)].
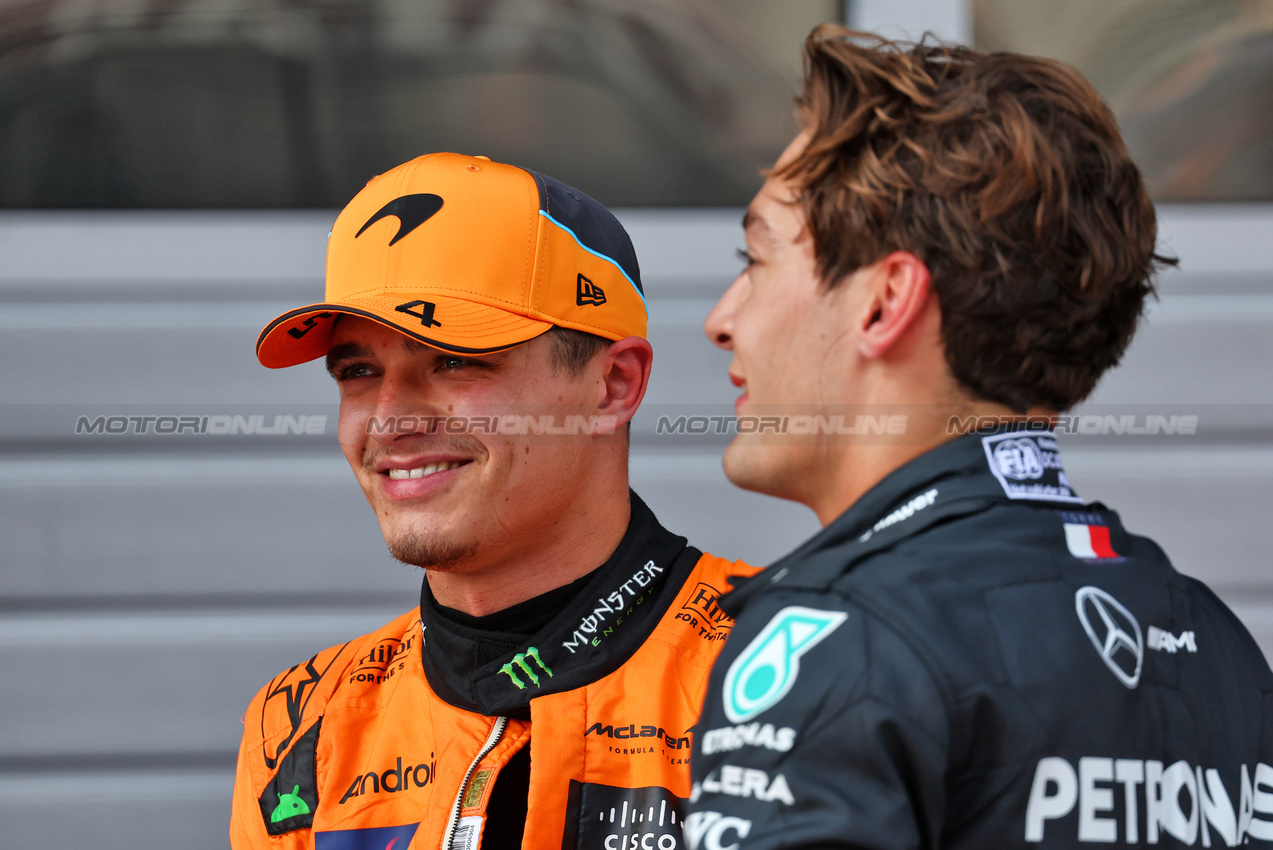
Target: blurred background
[(169, 170)]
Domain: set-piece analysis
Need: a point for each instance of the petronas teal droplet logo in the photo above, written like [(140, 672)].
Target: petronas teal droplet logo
[(289, 806), (767, 667)]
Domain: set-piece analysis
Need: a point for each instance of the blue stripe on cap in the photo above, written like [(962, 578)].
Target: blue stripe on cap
[(610, 260)]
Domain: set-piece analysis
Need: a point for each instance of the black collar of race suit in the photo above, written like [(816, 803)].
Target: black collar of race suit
[(958, 478), (613, 612), (516, 622)]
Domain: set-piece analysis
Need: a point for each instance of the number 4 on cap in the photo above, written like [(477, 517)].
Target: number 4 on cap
[(425, 315)]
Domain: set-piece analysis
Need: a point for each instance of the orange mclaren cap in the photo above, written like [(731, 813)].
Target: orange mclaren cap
[(468, 255)]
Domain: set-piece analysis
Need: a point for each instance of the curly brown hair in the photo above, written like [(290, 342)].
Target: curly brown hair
[(1007, 176)]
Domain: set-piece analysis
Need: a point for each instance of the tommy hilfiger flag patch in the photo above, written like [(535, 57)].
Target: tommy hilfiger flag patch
[(1087, 536)]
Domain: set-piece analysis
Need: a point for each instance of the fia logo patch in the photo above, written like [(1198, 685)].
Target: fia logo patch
[(1028, 466), (767, 668)]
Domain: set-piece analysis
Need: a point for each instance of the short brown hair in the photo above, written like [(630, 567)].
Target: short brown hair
[(1006, 175), (573, 350)]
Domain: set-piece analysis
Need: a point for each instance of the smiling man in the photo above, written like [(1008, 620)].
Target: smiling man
[(486, 327), (968, 655)]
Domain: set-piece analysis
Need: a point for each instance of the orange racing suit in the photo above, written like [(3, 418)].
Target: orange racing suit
[(397, 739)]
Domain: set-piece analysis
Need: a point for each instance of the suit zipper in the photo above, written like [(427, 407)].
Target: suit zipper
[(501, 723)]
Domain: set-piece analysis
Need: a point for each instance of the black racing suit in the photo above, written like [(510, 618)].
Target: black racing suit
[(971, 657)]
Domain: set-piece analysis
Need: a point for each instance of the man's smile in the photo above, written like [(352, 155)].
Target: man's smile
[(398, 474)]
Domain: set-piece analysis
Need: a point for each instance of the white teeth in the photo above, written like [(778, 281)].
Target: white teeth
[(422, 471)]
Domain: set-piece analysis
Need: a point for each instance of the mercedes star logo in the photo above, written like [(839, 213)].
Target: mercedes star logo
[(1113, 631)]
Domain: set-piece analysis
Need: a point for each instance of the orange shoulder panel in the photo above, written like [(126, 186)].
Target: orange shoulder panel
[(695, 621), (289, 706), (638, 721)]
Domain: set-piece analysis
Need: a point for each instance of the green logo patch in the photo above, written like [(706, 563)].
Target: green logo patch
[(767, 668), (289, 799), (520, 665), (289, 805)]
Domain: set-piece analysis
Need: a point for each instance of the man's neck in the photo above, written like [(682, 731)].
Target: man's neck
[(523, 619), (573, 547), (855, 469)]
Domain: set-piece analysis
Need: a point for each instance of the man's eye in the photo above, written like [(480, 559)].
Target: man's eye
[(448, 364), (350, 371), (745, 256)]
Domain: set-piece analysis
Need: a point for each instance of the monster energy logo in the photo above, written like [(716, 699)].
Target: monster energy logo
[(519, 661)]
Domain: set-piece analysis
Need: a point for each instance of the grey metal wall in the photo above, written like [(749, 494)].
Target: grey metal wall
[(149, 584)]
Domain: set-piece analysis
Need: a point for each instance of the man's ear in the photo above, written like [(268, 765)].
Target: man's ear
[(625, 374), (899, 292)]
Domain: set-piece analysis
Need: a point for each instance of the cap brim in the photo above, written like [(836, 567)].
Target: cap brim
[(305, 334)]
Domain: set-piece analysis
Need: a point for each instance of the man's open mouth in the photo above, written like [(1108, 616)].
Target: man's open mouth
[(426, 470)]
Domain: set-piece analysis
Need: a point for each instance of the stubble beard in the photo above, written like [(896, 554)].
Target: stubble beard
[(430, 552)]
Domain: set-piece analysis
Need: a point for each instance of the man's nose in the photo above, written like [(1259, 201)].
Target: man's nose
[(408, 405), (719, 326)]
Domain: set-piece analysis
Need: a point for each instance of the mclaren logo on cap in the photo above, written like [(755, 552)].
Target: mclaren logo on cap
[(410, 210), (587, 292)]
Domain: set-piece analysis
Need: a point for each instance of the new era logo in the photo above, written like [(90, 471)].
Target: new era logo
[(587, 292)]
